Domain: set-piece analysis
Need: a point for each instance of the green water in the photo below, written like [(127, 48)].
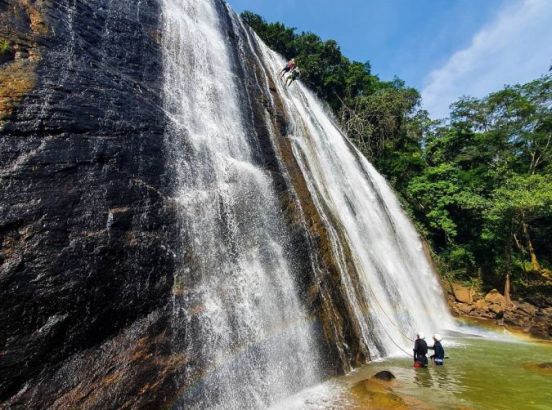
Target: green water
[(480, 373)]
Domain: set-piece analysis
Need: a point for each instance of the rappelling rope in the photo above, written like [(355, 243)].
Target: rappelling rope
[(392, 340), (391, 321)]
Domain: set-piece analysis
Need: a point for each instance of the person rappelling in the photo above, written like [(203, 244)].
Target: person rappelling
[(290, 66), (439, 357), (420, 351), (294, 75)]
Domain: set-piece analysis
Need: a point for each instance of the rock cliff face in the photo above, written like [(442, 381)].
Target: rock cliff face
[(88, 231), (96, 263), (85, 227)]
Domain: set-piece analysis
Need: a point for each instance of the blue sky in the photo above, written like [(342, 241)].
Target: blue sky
[(445, 48)]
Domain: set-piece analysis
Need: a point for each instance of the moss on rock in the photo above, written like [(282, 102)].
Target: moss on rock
[(23, 25), (17, 79)]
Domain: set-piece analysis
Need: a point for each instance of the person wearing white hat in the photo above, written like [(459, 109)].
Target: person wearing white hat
[(420, 351), (439, 356)]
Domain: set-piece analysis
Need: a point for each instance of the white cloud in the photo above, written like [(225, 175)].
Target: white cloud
[(513, 48)]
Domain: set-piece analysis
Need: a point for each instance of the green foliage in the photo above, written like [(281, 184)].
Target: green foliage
[(479, 186), (487, 185), (4, 47)]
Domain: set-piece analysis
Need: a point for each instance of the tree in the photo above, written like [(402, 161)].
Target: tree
[(514, 209)]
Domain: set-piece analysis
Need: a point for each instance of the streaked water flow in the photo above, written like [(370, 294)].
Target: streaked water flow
[(241, 325), (246, 331), (398, 282)]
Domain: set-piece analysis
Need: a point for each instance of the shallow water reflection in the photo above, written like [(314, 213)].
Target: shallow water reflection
[(480, 374)]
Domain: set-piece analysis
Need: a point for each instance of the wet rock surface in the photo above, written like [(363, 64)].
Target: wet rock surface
[(384, 375), (377, 394), (321, 287), (85, 224), (88, 231)]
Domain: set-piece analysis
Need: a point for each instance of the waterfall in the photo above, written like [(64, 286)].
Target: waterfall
[(396, 277), (242, 323), (246, 334)]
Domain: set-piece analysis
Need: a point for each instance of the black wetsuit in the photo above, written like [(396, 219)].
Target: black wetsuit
[(420, 351), (439, 355), (289, 67)]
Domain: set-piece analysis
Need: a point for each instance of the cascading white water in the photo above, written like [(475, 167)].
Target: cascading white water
[(247, 339), (242, 329), (397, 280)]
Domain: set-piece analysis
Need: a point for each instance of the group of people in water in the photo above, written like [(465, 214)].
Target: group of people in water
[(421, 348), (291, 71)]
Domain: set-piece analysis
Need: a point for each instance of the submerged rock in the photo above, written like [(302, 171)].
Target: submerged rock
[(543, 368), (377, 394), (384, 375)]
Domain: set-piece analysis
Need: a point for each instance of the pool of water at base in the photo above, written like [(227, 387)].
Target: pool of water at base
[(484, 371)]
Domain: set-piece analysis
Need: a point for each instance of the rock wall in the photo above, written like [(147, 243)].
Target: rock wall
[(88, 230), (85, 224)]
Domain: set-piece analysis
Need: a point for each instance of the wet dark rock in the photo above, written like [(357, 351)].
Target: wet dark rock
[(85, 227), (384, 375), (87, 230), (323, 292)]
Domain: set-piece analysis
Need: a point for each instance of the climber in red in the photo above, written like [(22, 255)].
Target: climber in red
[(290, 66), (420, 351)]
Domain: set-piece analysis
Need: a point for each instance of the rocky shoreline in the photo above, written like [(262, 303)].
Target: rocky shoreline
[(494, 307)]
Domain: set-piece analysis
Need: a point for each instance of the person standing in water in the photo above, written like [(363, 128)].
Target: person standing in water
[(420, 351), (290, 66), (439, 356)]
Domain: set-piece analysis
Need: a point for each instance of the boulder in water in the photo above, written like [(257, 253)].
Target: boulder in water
[(384, 375)]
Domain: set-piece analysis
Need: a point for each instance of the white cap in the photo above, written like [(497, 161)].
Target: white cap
[(421, 335), (437, 337)]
